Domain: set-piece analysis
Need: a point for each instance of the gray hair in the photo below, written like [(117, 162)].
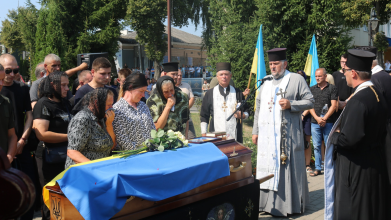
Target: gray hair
[(375, 62), (323, 70), (364, 75), (167, 82), (39, 69), (52, 57), (1, 68)]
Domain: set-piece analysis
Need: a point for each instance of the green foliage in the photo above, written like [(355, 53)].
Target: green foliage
[(294, 24), (68, 28), (381, 42), (18, 32), (232, 32), (146, 18), (233, 38), (357, 12)]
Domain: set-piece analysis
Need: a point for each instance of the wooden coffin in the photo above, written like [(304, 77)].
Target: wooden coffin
[(137, 208)]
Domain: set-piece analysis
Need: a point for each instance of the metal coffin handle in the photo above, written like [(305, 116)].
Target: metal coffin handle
[(237, 169)]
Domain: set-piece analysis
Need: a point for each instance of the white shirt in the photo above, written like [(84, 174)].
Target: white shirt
[(387, 66)]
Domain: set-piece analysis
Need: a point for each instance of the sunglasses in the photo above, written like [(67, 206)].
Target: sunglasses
[(8, 71)]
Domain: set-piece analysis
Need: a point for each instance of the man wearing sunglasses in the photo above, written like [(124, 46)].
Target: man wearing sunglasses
[(18, 94)]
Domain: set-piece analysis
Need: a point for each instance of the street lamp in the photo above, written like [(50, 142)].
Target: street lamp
[(372, 23)]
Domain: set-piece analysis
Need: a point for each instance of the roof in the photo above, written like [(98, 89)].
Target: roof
[(177, 36)]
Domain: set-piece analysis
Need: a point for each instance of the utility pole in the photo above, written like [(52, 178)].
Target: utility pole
[(169, 30)]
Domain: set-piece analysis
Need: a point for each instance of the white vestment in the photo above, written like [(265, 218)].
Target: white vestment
[(222, 110), (269, 138)]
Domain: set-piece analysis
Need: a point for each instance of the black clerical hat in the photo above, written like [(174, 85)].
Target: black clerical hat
[(277, 54), (223, 66), (170, 66), (368, 48), (360, 60)]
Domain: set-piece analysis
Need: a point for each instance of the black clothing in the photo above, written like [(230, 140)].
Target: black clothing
[(57, 114), (18, 94), (207, 112), (323, 97), (87, 88), (7, 121), (382, 82), (344, 91), (360, 171)]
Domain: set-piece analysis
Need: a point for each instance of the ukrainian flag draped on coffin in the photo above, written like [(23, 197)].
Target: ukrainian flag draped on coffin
[(312, 63), (258, 66)]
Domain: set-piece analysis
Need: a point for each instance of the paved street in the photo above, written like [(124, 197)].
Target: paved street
[(315, 209)]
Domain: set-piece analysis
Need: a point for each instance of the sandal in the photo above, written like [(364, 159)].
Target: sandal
[(315, 173), (308, 168)]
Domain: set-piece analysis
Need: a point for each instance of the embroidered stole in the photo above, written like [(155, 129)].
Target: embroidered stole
[(222, 109), (269, 136)]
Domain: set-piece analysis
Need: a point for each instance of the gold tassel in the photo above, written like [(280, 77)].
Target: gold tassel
[(377, 97)]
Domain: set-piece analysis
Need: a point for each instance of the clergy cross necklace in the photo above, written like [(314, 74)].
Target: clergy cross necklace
[(224, 106)]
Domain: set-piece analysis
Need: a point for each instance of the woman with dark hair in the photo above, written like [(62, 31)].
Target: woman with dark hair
[(51, 117), (90, 136), (133, 121), (169, 106)]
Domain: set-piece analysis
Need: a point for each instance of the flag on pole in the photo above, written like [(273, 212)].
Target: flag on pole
[(312, 63), (258, 66)]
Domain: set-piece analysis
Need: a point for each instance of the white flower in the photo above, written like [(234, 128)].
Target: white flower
[(185, 142)]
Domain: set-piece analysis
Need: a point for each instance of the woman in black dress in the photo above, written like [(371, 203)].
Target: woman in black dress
[(51, 117)]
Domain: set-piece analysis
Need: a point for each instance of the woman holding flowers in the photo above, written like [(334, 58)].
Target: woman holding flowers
[(169, 106), (133, 121)]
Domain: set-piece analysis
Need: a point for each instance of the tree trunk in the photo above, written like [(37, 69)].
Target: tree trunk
[(157, 69)]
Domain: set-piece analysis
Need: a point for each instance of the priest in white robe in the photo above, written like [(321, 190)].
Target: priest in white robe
[(219, 103), (279, 105)]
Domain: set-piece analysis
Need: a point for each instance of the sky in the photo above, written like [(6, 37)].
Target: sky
[(6, 5)]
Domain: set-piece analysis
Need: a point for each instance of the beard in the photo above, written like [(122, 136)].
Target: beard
[(278, 75)]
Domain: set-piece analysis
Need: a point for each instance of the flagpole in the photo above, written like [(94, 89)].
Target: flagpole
[(249, 81)]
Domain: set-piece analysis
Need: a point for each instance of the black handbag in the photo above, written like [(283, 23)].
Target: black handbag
[(55, 155)]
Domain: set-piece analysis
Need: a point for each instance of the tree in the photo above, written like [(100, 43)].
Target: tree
[(292, 23), (19, 31), (146, 18), (357, 13), (68, 28)]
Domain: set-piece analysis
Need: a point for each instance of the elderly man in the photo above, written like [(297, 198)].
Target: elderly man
[(355, 169), (278, 132), (220, 102), (52, 63)]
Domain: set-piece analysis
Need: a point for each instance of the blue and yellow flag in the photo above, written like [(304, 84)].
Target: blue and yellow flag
[(312, 63), (258, 66)]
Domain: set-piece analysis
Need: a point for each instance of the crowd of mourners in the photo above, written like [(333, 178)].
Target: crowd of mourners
[(57, 127), (63, 127)]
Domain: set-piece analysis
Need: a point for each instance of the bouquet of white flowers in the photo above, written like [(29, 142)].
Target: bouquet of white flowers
[(160, 141)]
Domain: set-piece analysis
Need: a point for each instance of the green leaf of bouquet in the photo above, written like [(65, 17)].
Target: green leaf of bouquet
[(153, 133), (161, 148), (160, 133), (156, 140)]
